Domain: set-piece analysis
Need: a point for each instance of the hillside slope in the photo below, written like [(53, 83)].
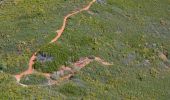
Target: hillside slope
[(133, 35)]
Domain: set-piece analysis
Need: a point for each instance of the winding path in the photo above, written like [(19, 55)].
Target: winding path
[(80, 63)]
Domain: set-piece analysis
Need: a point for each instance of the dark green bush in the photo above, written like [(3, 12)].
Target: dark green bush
[(61, 56)]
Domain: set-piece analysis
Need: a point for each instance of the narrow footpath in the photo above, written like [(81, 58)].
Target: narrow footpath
[(81, 63)]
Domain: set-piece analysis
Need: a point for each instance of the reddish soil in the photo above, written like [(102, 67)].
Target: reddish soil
[(82, 63)]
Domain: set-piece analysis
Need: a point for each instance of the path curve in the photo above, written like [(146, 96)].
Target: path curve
[(83, 62), (59, 32)]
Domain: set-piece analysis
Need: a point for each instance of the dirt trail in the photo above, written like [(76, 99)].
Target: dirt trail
[(80, 64), (59, 33), (29, 70), (73, 69), (61, 30)]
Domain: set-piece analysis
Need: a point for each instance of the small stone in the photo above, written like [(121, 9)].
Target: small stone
[(91, 57), (101, 1), (146, 63), (27, 78), (55, 76), (163, 57), (165, 52), (162, 22)]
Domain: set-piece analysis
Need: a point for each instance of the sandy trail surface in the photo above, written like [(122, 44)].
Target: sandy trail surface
[(81, 63)]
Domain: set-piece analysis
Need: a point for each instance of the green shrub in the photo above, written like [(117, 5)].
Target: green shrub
[(61, 56)]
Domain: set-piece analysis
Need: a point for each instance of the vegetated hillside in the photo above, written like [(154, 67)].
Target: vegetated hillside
[(132, 34)]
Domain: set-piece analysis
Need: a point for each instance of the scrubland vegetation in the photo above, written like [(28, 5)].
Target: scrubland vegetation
[(132, 34)]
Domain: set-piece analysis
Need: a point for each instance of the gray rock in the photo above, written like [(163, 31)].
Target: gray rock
[(44, 58), (144, 63), (129, 59), (55, 76), (101, 1), (91, 57)]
